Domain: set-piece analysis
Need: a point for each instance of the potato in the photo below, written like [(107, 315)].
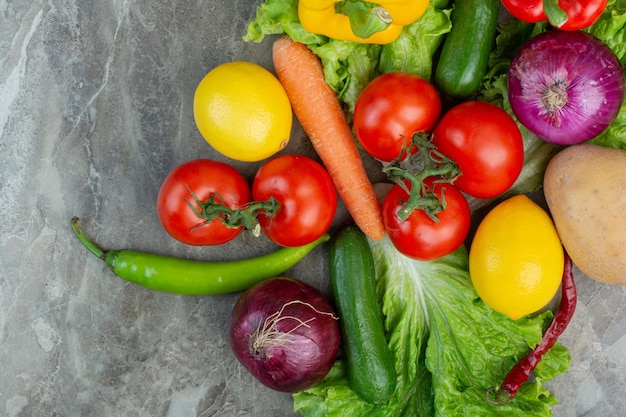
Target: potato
[(585, 188)]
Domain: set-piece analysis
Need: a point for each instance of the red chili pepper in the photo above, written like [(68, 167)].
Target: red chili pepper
[(522, 370)]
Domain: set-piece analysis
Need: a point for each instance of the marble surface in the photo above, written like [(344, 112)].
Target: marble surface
[(95, 110)]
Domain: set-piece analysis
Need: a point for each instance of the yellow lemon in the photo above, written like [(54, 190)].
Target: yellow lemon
[(243, 111), (516, 258)]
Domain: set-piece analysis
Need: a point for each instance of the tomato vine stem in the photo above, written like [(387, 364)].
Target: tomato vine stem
[(411, 173), (245, 216)]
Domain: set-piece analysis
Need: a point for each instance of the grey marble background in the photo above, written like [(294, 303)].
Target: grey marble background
[(95, 110)]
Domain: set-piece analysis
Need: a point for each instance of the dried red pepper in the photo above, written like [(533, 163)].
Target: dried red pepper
[(500, 395)]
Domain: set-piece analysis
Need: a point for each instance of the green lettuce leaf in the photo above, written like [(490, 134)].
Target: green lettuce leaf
[(348, 68), (611, 28), (414, 49), (448, 347), (279, 17)]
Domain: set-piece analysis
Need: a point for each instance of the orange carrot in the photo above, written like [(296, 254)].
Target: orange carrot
[(318, 110)]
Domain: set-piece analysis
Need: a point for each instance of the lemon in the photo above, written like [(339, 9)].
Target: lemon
[(516, 258), (242, 110)]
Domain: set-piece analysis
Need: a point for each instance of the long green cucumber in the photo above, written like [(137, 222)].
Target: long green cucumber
[(465, 51), (370, 366)]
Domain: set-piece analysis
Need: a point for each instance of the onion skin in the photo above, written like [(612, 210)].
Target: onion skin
[(566, 87), (294, 357)]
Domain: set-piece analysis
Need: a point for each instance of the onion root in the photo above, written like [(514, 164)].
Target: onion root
[(268, 335)]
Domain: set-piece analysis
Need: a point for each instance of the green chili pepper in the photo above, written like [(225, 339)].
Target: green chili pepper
[(188, 277)]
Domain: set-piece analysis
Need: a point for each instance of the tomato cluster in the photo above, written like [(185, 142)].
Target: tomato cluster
[(481, 139), (398, 117), (206, 202)]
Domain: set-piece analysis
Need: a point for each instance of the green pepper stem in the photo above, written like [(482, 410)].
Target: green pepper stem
[(366, 19), (555, 14), (497, 396), (88, 243)]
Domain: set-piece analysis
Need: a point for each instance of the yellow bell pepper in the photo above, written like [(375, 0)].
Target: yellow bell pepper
[(321, 17)]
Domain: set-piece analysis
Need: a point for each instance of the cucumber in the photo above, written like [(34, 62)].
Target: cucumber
[(370, 366), (465, 51)]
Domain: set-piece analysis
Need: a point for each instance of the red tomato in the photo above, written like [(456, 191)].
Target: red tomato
[(580, 13), (530, 11), (390, 109), (420, 237), (485, 143), (204, 178), (307, 197)]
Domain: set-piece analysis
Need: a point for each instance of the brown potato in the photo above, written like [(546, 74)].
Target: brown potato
[(585, 188)]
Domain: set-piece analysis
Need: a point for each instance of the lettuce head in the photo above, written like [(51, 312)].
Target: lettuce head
[(448, 346)]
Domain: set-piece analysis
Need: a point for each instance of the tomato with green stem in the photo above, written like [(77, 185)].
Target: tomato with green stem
[(486, 145), (305, 195), (425, 215), (390, 110), (425, 236), (190, 190), (567, 15)]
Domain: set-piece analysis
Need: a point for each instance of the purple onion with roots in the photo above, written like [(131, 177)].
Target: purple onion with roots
[(285, 333), (566, 87)]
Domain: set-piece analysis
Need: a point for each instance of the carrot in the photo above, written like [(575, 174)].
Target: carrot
[(319, 112)]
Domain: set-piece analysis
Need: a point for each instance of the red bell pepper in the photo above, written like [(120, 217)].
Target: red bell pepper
[(562, 14)]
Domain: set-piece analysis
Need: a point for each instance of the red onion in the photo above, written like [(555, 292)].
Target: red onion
[(566, 87), (285, 333)]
